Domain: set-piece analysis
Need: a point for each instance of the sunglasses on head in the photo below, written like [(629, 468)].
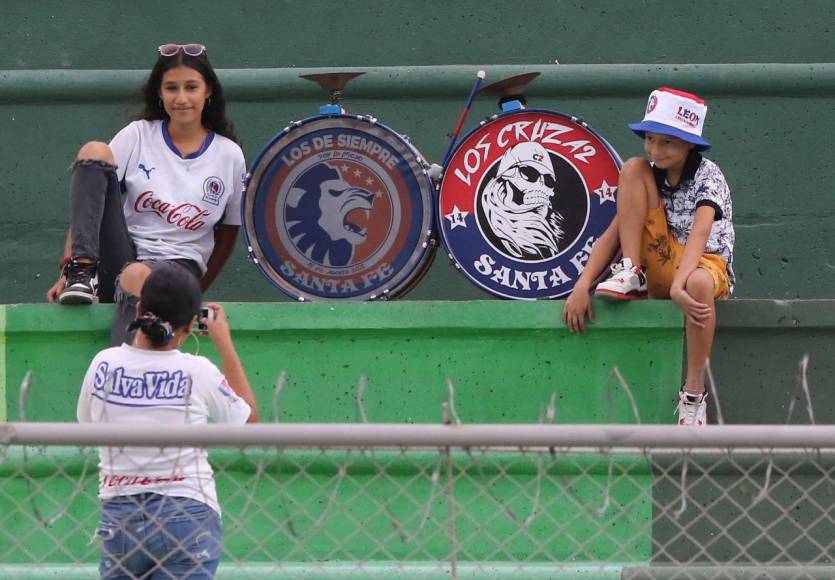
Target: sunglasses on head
[(532, 175), (189, 49)]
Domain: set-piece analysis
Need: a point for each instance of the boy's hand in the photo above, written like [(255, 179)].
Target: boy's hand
[(695, 312), (577, 306)]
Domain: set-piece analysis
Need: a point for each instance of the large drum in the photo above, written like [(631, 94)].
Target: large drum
[(339, 207), (522, 200)]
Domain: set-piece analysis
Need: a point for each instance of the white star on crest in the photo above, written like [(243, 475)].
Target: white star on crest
[(456, 218), (606, 192), (357, 173), (369, 181), (344, 168)]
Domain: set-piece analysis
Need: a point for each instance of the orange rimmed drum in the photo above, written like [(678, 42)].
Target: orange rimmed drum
[(339, 207)]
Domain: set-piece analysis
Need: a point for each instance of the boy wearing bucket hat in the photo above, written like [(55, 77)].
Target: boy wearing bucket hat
[(674, 230)]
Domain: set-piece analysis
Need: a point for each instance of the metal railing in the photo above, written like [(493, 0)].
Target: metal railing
[(461, 501)]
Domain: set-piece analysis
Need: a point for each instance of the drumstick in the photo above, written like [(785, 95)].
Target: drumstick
[(479, 77)]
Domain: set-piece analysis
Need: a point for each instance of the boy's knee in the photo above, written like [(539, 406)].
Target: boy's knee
[(636, 166), (96, 151), (133, 277), (700, 285)]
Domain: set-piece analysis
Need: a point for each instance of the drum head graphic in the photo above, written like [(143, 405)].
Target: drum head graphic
[(523, 199), (339, 208)]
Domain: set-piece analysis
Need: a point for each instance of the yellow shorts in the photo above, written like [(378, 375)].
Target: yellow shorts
[(661, 254)]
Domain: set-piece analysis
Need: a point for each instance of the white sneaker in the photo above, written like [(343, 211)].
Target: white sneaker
[(627, 282), (692, 409)]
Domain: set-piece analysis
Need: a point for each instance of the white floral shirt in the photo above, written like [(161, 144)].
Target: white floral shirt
[(702, 183)]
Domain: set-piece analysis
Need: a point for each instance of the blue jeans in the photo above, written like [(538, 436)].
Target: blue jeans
[(155, 536)]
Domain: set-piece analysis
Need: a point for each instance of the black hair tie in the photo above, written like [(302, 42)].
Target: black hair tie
[(150, 320)]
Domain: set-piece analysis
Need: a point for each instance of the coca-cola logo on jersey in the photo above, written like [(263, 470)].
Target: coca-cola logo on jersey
[(186, 216)]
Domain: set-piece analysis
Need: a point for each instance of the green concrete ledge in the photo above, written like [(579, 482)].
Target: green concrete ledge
[(775, 314), (491, 315), (757, 356), (490, 348), (607, 80), (481, 315), (505, 358)]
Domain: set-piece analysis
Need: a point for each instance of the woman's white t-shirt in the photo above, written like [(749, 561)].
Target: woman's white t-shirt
[(125, 386), (172, 204)]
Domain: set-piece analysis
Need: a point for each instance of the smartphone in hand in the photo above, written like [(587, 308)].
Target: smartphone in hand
[(205, 314)]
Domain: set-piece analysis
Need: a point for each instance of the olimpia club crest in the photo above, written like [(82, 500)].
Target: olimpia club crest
[(523, 200), (339, 207)]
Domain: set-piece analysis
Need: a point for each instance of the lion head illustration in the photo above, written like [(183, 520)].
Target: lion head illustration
[(317, 216)]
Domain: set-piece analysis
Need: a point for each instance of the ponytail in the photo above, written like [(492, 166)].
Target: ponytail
[(158, 331), (169, 300)]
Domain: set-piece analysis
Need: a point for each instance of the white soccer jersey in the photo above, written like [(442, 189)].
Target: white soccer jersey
[(172, 204), (126, 385)]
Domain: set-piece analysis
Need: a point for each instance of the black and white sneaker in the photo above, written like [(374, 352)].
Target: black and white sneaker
[(82, 284)]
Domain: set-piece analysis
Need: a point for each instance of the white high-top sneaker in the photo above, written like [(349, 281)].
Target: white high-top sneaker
[(692, 409), (627, 282)]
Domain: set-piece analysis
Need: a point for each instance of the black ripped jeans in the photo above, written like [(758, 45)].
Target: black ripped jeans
[(99, 232)]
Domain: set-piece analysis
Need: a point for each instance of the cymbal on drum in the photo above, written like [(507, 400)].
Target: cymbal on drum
[(511, 87), (332, 82)]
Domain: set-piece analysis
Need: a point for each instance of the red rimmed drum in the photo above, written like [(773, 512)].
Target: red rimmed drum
[(523, 199)]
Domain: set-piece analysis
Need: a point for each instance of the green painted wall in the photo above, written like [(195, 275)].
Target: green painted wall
[(505, 360), (3, 362), (283, 33), (405, 349), (300, 512), (771, 125), (757, 355), (771, 135)]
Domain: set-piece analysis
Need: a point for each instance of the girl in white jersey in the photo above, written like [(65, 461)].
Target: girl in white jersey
[(166, 188), (160, 513)]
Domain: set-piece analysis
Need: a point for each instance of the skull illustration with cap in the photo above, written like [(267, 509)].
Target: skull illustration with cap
[(528, 169), (517, 203)]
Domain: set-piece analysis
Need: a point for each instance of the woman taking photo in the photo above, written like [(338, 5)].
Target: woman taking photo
[(160, 511), (167, 188)]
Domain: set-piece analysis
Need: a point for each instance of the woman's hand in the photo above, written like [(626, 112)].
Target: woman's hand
[(217, 326), (218, 330), (53, 293), (577, 306), (695, 312)]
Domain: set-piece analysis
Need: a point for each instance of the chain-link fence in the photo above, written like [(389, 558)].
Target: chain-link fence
[(422, 501)]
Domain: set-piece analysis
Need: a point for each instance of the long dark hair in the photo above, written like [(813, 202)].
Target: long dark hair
[(169, 300), (214, 112)]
